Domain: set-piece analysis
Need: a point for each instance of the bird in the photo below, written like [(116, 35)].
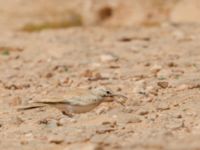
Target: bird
[(77, 101)]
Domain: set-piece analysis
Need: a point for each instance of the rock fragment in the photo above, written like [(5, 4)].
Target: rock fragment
[(163, 106), (108, 58), (175, 124), (142, 112), (83, 146), (163, 84), (56, 139), (155, 69)]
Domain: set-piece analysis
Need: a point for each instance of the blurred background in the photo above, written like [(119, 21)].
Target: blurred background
[(142, 49), (29, 15)]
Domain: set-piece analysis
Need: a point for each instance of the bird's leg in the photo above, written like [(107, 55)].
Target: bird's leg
[(70, 115)]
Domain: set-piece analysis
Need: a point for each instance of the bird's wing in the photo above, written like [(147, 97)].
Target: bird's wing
[(76, 101), (72, 97)]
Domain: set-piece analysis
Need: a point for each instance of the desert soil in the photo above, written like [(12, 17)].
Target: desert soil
[(156, 67)]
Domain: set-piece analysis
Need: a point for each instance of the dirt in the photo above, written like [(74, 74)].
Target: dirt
[(157, 67)]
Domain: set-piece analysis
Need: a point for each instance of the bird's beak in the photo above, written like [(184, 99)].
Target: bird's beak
[(120, 96)]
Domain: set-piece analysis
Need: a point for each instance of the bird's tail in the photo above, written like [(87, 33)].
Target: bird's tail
[(21, 108)]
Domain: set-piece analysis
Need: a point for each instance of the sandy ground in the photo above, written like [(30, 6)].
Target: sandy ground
[(156, 67)]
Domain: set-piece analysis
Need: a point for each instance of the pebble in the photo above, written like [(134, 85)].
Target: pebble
[(29, 136), (177, 115), (43, 121), (108, 58), (139, 87), (142, 112), (182, 87), (163, 106), (148, 99), (175, 124), (109, 123), (104, 129), (83, 146), (52, 123), (56, 139), (155, 69), (49, 75), (163, 84)]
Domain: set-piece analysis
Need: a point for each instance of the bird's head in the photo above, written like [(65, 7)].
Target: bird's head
[(103, 92), (107, 94)]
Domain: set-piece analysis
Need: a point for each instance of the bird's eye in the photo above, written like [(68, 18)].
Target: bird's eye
[(108, 92)]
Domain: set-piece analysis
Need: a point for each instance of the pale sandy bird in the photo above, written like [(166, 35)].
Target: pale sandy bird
[(77, 101)]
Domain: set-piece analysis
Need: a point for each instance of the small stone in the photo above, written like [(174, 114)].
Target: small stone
[(52, 124), (24, 142), (63, 121), (56, 139), (142, 112), (109, 123), (177, 115), (147, 99), (155, 69), (134, 120), (163, 106), (194, 86), (92, 75), (83, 146), (172, 64), (49, 75), (149, 89), (163, 84), (104, 129), (108, 58), (182, 87), (175, 124), (139, 87), (43, 121), (88, 73), (29, 136), (66, 80)]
